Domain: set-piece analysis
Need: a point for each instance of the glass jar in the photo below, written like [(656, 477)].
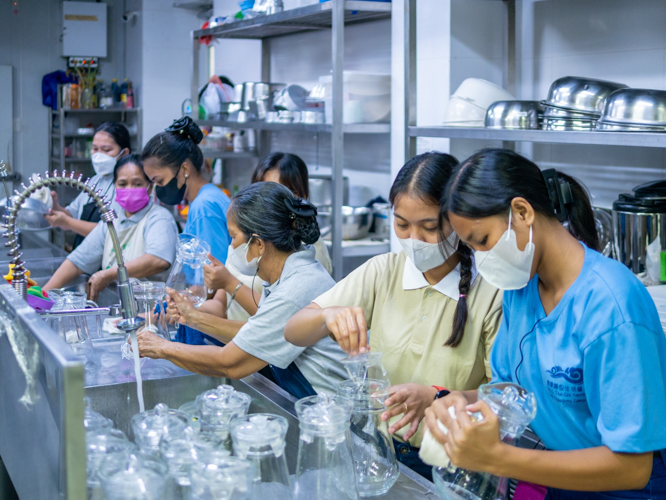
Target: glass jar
[(72, 329), (150, 426), (134, 476), (93, 421), (74, 96), (325, 467), (365, 366), (86, 98), (218, 407), (374, 455), (218, 476), (516, 408), (260, 438), (149, 296), (186, 275), (100, 444)]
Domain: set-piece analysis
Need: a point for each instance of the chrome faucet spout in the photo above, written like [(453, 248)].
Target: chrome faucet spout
[(19, 280)]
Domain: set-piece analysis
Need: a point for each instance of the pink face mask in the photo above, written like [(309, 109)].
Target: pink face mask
[(132, 199)]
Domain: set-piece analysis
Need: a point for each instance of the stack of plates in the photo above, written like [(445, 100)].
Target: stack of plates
[(575, 103), (634, 110)]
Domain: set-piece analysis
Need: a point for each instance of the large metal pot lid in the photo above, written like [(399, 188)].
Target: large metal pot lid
[(651, 190), (633, 204)]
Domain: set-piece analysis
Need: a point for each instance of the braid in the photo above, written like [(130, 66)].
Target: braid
[(460, 318)]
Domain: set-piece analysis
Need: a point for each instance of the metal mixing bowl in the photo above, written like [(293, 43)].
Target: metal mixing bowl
[(636, 107), (517, 115), (568, 125), (581, 94), (356, 222), (554, 112), (30, 216), (627, 127)]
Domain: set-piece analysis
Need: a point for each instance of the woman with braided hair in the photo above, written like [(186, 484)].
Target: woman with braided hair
[(430, 314), (269, 228)]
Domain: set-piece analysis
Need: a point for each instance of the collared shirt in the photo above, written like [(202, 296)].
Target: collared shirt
[(596, 364), (207, 220), (101, 183), (160, 235), (411, 321), (301, 281)]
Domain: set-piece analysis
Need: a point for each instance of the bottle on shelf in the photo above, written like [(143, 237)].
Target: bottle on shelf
[(115, 88), (105, 96), (123, 94), (74, 96), (130, 95)]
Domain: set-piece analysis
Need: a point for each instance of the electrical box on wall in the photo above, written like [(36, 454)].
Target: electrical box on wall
[(84, 29)]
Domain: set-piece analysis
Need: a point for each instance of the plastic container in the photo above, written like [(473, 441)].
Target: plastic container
[(366, 97), (482, 93), (218, 407)]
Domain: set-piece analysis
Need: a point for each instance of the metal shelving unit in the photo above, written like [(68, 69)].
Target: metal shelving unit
[(408, 99), (332, 15), (227, 155)]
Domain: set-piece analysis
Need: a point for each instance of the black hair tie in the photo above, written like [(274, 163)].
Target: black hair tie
[(300, 207), (559, 192)]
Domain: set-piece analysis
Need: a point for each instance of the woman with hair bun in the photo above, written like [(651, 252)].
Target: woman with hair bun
[(173, 161), (431, 316), (579, 331), (269, 227)]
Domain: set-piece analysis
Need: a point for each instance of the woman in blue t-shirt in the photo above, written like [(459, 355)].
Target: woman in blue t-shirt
[(579, 331)]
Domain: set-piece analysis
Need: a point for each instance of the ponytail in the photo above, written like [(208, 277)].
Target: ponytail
[(485, 184), (465, 283)]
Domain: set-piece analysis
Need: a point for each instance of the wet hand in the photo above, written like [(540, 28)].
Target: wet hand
[(179, 307), (410, 400), (58, 219), (216, 275), (56, 205), (348, 326), (98, 282), (150, 345)]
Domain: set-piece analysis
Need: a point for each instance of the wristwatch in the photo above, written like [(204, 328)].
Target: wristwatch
[(441, 392)]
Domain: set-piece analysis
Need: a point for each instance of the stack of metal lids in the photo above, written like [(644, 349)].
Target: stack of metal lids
[(576, 103), (634, 110)]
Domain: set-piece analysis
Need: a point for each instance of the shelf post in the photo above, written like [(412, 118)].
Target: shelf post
[(264, 136), (410, 77), (195, 77), (337, 135)]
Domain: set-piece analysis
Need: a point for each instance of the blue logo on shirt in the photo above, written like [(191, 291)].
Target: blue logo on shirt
[(572, 374)]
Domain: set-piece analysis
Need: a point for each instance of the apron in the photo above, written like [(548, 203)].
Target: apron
[(89, 213), (655, 489), (131, 241)]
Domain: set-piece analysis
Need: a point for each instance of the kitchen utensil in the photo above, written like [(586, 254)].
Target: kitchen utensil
[(562, 124), (356, 222), (218, 407), (581, 94), (325, 465), (321, 189), (186, 276), (218, 476), (512, 115), (603, 220), (372, 446), (365, 366), (31, 215), (632, 107), (516, 408), (461, 112), (260, 438), (639, 230), (291, 98), (133, 477), (150, 426), (482, 93), (381, 213), (312, 117)]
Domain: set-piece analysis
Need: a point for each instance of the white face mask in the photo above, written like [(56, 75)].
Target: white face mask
[(504, 266), (103, 163), (427, 256), (238, 258)]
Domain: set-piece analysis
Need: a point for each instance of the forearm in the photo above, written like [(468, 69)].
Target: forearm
[(212, 361), (217, 306), (245, 296), (145, 266), (306, 327), (80, 227), (65, 274), (592, 469), (222, 329)]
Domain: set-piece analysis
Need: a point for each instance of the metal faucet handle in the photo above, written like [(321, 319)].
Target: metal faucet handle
[(115, 310)]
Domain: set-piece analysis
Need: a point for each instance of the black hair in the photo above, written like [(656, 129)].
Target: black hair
[(485, 184), (177, 143), (426, 176), (134, 159), (118, 132), (271, 211), (293, 172)]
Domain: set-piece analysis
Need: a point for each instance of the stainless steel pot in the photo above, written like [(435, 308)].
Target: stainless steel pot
[(321, 190), (639, 229), (356, 222), (581, 94), (513, 115)]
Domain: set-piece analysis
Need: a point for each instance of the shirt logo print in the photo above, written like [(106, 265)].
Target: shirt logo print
[(572, 374)]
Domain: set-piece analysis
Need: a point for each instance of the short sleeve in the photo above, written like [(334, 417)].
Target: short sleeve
[(213, 230), (160, 235), (624, 402), (88, 255), (75, 207), (491, 325), (499, 357), (263, 334), (356, 290)]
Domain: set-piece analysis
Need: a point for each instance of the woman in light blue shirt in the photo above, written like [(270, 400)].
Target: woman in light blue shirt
[(579, 331)]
